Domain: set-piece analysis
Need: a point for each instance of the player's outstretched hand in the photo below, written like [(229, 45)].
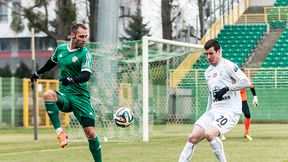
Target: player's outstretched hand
[(255, 101), (220, 93), (34, 76), (66, 81)]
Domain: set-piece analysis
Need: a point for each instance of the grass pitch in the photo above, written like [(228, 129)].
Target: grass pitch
[(270, 144)]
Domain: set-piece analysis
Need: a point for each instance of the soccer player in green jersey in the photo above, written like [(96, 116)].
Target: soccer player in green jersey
[(75, 65)]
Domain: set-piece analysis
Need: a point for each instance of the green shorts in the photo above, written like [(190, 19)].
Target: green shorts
[(79, 105)]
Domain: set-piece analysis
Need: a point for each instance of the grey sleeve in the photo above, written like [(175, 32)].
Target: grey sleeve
[(243, 83), (241, 80)]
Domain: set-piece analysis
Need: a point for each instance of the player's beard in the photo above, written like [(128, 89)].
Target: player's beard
[(78, 44)]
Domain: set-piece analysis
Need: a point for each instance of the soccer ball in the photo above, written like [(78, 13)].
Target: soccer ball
[(123, 117)]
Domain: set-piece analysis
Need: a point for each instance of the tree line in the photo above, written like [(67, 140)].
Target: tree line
[(22, 71), (66, 12)]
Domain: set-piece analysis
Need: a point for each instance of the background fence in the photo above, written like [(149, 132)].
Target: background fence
[(16, 104), (271, 87), (11, 101)]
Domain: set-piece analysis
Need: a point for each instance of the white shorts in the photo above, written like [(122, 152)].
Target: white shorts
[(223, 121)]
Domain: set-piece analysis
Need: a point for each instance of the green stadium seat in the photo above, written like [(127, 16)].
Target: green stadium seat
[(237, 41)]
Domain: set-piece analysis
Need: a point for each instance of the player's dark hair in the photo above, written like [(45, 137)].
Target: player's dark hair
[(75, 26), (212, 43)]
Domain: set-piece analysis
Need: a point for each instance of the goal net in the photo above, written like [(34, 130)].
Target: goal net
[(147, 76)]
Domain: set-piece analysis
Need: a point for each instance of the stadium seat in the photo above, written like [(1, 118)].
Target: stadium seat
[(277, 58), (237, 41)]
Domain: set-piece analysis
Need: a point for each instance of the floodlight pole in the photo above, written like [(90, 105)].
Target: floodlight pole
[(35, 115)]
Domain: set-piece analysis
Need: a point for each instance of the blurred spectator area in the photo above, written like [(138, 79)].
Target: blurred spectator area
[(16, 50)]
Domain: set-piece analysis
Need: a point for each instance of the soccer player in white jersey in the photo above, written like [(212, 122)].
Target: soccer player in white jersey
[(224, 105)]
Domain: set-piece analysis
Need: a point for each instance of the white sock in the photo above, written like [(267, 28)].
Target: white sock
[(218, 149), (187, 153), (59, 130)]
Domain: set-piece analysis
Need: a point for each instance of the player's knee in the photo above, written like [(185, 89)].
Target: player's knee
[(49, 95), (210, 136), (90, 133), (193, 139)]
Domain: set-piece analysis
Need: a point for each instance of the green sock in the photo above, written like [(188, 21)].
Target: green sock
[(53, 113), (95, 149)]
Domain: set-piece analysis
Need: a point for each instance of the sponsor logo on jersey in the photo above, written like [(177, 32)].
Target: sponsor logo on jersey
[(223, 98), (216, 89), (50, 112), (214, 75), (74, 59)]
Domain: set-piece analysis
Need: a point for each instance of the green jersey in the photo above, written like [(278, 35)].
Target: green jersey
[(71, 64)]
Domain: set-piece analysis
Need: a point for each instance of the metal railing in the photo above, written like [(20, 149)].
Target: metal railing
[(43, 118), (260, 77), (231, 18), (270, 14)]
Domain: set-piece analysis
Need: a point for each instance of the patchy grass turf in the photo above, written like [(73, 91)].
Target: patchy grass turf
[(269, 145)]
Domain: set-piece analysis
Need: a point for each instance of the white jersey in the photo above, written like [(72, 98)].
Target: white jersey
[(225, 73)]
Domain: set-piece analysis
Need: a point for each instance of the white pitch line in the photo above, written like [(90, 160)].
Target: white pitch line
[(48, 150)]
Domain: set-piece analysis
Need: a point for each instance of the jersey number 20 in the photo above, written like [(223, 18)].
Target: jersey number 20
[(221, 120)]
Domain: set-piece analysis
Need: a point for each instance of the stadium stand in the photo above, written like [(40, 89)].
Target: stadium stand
[(237, 42), (278, 15), (281, 3), (278, 56), (240, 41)]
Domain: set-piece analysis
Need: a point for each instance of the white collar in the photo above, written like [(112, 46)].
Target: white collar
[(71, 50)]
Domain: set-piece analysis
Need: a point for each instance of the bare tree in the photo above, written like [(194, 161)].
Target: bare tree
[(166, 19), (93, 13), (66, 14), (201, 4)]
